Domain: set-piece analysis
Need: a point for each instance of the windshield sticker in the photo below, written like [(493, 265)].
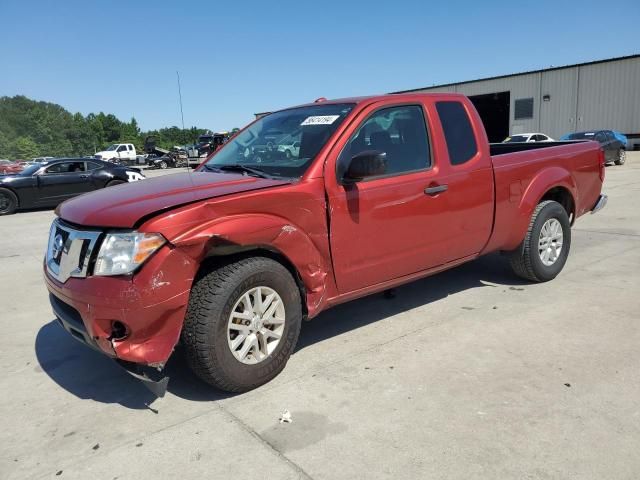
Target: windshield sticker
[(320, 120)]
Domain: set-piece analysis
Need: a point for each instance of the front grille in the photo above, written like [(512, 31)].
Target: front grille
[(69, 251)]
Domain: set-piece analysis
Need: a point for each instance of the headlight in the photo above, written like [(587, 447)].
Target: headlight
[(122, 253)]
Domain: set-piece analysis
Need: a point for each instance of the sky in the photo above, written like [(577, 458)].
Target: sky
[(238, 58)]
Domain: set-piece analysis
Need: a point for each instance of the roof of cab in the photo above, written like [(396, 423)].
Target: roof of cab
[(371, 98)]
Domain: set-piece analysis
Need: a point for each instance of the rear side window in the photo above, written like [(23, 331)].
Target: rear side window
[(461, 143)]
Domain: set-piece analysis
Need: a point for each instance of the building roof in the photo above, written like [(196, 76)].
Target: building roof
[(521, 73)]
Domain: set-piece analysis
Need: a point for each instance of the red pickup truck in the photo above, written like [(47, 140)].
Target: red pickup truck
[(230, 259)]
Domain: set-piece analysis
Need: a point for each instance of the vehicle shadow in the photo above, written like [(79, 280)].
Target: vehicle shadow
[(89, 375), (483, 272)]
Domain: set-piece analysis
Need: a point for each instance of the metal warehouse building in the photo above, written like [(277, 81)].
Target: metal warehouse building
[(603, 94)]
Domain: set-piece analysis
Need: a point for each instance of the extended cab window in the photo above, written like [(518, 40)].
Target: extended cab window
[(461, 142), (400, 132)]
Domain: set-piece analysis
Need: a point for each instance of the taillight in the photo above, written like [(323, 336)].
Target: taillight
[(602, 164)]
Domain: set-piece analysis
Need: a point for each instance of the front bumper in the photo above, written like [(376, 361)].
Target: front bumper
[(600, 204), (151, 304)]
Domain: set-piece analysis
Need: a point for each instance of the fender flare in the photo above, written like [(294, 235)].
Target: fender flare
[(546, 180), (246, 232)]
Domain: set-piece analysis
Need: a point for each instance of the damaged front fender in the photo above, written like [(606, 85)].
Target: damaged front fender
[(259, 231)]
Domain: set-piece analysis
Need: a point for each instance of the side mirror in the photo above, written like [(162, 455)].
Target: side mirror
[(369, 163)]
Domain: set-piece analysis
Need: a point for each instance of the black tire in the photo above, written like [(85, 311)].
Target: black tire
[(622, 156), (204, 334), (8, 202), (164, 165), (113, 183), (525, 260)]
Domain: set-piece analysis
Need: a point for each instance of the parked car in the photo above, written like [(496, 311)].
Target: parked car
[(118, 153), (614, 148), (230, 259), (170, 160), (290, 149), (622, 138), (48, 184), (528, 137), (7, 167)]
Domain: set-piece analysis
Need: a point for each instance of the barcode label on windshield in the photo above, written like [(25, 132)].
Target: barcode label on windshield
[(320, 120)]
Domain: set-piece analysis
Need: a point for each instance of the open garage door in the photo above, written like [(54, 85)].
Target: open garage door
[(494, 112)]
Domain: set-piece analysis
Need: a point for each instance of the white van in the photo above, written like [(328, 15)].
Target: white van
[(118, 152)]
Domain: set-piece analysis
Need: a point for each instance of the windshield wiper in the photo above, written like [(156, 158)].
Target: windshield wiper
[(238, 168)]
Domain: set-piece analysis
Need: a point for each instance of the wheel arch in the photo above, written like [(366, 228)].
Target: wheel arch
[(563, 196), (553, 183), (12, 190), (239, 236), (241, 252)]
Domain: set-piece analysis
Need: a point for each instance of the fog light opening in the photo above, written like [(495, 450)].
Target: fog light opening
[(119, 331)]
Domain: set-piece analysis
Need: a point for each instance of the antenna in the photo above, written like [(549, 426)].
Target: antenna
[(182, 114), (180, 97)]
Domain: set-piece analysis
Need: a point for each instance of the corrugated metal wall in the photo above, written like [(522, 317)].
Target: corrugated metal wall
[(609, 96), (603, 95)]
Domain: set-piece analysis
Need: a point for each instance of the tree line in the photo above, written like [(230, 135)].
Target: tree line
[(30, 128)]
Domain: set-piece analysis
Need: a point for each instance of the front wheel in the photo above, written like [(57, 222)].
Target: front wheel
[(242, 323), (622, 156), (8, 202), (545, 248), (164, 165)]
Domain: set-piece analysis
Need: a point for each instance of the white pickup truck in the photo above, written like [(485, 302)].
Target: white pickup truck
[(118, 152)]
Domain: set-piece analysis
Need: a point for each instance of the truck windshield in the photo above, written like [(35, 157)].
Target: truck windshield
[(111, 148), (266, 145)]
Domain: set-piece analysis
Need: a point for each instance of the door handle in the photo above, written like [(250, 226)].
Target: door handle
[(84, 176), (436, 189)]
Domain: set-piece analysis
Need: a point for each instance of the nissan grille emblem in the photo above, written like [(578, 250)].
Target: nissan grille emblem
[(58, 245)]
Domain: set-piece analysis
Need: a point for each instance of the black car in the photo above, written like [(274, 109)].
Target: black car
[(47, 184), (614, 149)]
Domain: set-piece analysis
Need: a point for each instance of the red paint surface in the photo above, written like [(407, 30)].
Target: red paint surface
[(344, 242)]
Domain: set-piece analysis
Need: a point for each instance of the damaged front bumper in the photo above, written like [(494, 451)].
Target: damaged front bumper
[(135, 320), (68, 317)]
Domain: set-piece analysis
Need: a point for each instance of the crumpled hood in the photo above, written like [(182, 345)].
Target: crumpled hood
[(124, 205)]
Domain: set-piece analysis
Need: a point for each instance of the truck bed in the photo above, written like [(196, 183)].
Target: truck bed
[(522, 168), (503, 148)]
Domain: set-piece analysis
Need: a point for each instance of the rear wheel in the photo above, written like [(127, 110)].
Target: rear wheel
[(8, 202), (622, 157), (545, 248), (242, 323)]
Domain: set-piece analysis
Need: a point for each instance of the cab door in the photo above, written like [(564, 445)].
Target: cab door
[(469, 177), (61, 181), (393, 224)]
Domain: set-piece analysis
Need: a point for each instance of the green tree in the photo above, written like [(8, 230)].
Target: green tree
[(31, 128), (24, 148)]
